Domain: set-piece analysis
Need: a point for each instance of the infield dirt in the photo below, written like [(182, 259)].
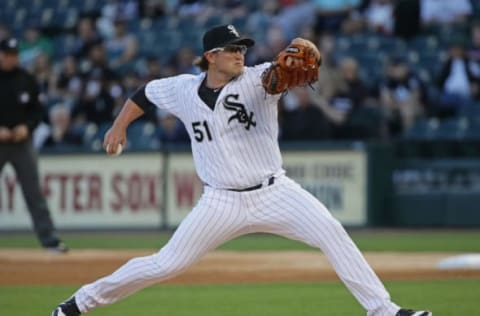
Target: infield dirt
[(37, 267)]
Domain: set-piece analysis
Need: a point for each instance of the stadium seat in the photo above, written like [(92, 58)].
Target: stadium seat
[(452, 129), (213, 21), (187, 25), (343, 43), (473, 132), (63, 45), (390, 45), (432, 61), (65, 18), (93, 136), (20, 18), (360, 43), (239, 22), (141, 136), (424, 129), (424, 43)]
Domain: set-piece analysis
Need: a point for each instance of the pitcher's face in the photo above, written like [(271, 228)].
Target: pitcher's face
[(229, 60)]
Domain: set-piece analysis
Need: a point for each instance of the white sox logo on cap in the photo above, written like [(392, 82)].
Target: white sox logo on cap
[(232, 30), (223, 35)]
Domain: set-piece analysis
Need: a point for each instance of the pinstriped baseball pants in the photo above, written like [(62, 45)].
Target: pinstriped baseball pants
[(283, 208)]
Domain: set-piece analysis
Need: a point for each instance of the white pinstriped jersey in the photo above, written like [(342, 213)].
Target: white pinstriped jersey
[(235, 145)]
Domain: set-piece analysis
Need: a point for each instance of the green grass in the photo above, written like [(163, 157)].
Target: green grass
[(444, 298), (370, 240)]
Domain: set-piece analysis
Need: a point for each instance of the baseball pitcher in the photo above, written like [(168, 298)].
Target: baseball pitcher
[(230, 112)]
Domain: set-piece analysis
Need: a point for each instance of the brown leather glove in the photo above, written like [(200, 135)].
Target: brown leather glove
[(297, 65)]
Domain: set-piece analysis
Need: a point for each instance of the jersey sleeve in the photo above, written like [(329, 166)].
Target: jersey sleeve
[(163, 93), (260, 68)]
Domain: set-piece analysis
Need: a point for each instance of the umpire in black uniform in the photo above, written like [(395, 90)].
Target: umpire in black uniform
[(20, 113)]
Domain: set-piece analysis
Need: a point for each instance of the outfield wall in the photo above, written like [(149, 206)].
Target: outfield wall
[(157, 190)]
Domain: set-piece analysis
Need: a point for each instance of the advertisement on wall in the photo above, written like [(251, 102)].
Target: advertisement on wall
[(90, 191), (337, 178), (183, 190), (96, 192)]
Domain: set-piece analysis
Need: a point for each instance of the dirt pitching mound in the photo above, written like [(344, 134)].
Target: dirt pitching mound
[(37, 267)]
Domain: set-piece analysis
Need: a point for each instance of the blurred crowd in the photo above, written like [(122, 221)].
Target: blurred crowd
[(386, 63)]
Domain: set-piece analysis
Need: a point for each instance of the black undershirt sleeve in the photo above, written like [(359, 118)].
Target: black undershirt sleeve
[(141, 100)]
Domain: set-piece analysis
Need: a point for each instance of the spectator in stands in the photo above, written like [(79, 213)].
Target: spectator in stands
[(42, 70), (183, 61), (474, 49), (67, 81), (329, 77), (401, 95), (304, 121), (33, 45), (458, 81), (275, 42), (154, 8), (122, 48), (442, 12), (351, 92), (100, 89), (332, 13), (191, 8), (235, 10), (4, 31), (347, 108), (171, 129), (292, 18), (86, 36), (62, 134), (132, 80), (152, 70), (260, 20), (127, 10), (379, 16), (406, 16)]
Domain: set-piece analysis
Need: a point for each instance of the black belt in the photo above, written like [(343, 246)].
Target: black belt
[(271, 180)]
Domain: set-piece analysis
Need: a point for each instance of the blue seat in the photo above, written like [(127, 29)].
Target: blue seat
[(359, 43), (64, 45), (472, 133), (424, 43), (65, 18), (431, 61), (371, 67), (424, 129), (142, 136), (452, 129), (192, 39), (214, 20), (391, 45), (93, 136), (186, 25)]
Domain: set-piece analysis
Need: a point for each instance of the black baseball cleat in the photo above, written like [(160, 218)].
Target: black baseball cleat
[(409, 312), (67, 308), (57, 246)]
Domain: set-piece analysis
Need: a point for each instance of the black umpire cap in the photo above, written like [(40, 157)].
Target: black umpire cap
[(222, 35), (9, 45)]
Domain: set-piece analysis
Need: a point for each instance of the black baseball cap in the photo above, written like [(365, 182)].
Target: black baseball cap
[(9, 45), (222, 35)]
